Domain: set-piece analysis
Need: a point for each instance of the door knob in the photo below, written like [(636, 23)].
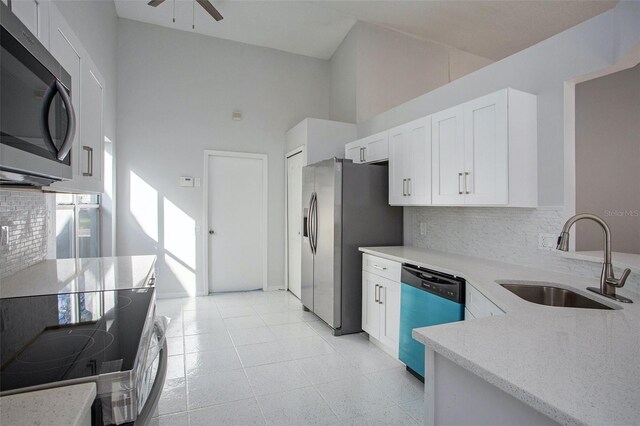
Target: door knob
[(210, 231)]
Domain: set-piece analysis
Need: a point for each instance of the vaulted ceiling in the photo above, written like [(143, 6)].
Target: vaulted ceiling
[(493, 29)]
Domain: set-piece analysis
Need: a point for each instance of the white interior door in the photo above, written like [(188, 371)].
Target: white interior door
[(294, 223), (237, 234)]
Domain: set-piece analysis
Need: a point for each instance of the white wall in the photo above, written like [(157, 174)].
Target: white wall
[(95, 23), (375, 69), (176, 94), (344, 80), (543, 70), (608, 159)]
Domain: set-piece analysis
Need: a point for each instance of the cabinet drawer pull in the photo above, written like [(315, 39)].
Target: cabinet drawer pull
[(375, 294), (382, 268), (409, 187), (404, 187), (89, 171), (459, 184), (364, 154), (380, 294)]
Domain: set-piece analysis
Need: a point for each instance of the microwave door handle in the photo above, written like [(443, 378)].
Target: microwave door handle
[(44, 119), (71, 122)]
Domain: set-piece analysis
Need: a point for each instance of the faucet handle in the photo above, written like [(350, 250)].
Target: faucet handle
[(619, 282)]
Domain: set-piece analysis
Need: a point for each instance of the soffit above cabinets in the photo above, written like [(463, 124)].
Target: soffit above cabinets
[(488, 28)]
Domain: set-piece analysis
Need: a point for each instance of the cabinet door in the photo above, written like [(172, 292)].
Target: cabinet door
[(353, 151), (447, 156), (370, 306), (66, 50), (376, 147), (397, 167), (486, 171), (35, 16), (27, 12), (92, 135), (390, 314), (418, 161)]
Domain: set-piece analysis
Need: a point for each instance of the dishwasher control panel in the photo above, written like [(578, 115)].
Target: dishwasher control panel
[(442, 284)]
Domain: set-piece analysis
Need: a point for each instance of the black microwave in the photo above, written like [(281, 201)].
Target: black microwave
[(37, 120)]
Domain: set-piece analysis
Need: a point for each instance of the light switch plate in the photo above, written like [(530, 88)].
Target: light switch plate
[(186, 181), (547, 241)]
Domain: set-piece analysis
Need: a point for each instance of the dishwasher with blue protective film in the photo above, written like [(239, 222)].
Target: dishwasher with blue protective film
[(427, 298)]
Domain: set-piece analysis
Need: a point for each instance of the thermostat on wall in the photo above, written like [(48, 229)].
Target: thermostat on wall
[(186, 181)]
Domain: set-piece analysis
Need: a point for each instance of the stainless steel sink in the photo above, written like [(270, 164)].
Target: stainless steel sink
[(552, 296)]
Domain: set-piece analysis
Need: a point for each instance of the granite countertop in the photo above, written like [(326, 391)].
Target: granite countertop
[(76, 275), (66, 405), (577, 366)]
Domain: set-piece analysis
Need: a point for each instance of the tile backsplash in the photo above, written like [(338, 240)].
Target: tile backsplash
[(507, 235), (26, 215)]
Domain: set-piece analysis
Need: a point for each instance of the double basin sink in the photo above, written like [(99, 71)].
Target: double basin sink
[(549, 295)]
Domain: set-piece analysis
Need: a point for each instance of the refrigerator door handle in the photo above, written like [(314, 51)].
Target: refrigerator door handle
[(314, 224), (308, 223)]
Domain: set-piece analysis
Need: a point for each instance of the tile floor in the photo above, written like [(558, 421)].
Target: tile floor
[(257, 358)]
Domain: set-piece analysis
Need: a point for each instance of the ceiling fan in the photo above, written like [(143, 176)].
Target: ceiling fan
[(206, 5)]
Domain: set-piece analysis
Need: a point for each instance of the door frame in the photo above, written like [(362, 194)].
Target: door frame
[(205, 211), (299, 150)]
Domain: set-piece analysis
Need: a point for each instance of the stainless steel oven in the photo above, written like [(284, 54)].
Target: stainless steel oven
[(112, 338), (37, 120)]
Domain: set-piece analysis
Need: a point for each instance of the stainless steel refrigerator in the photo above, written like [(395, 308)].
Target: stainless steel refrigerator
[(345, 206)]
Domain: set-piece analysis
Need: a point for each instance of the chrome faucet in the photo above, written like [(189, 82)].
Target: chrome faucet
[(608, 281)]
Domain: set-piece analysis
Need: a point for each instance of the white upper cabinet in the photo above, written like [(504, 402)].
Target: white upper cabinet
[(448, 156), (410, 163), (485, 152), (372, 149), (35, 16), (87, 96), (92, 135)]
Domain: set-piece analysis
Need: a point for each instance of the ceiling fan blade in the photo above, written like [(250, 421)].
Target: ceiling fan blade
[(206, 5), (155, 3)]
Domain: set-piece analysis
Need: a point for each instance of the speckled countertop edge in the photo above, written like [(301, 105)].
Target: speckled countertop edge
[(65, 405)]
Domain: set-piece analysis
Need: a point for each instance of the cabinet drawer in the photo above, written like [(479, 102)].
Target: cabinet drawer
[(478, 305), (381, 267)]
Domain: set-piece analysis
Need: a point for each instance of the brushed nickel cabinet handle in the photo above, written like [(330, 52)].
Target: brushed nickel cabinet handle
[(409, 187), (89, 151), (459, 185), (466, 190)]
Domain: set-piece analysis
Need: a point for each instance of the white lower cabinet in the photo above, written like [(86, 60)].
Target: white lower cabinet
[(477, 305), (381, 311)]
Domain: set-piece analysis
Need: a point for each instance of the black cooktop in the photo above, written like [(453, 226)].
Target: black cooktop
[(49, 338)]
